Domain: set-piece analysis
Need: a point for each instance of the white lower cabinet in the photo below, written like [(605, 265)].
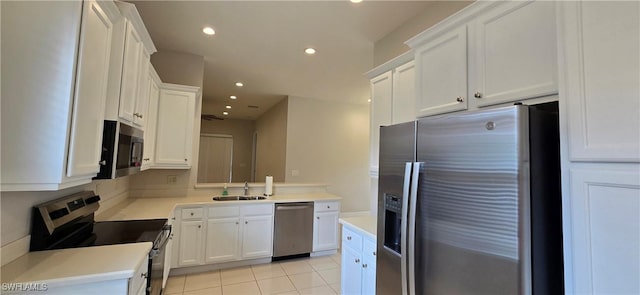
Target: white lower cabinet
[(222, 239), (325, 225), (191, 237), (219, 234), (358, 273)]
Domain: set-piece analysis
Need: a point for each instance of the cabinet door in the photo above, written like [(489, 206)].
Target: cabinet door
[(606, 229), (325, 231), (90, 94), (441, 69), (351, 273), (403, 107), (130, 73), (515, 53), (257, 236), (368, 267), (142, 100), (174, 128), (190, 243), (151, 120), (600, 68), (381, 96), (223, 237)]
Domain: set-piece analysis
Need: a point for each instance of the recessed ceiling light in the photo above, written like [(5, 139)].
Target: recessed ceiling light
[(356, 1), (310, 51), (239, 84), (369, 100), (228, 107), (225, 113), (233, 97), (208, 30)]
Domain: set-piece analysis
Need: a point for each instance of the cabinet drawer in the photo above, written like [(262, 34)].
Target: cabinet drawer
[(224, 211), (351, 239), (139, 278), (192, 213), (369, 249), (326, 206), (262, 209)]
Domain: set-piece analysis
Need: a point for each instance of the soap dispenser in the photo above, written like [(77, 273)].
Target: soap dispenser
[(225, 192)]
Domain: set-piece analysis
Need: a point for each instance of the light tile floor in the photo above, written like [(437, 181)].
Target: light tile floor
[(317, 275)]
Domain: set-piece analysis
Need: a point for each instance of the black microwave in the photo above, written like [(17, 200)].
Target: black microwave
[(122, 147)]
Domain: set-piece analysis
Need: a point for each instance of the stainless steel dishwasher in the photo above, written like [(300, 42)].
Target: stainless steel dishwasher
[(293, 232)]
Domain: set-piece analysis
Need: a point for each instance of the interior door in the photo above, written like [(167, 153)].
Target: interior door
[(215, 158)]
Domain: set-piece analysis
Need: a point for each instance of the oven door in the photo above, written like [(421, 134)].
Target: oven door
[(156, 262)]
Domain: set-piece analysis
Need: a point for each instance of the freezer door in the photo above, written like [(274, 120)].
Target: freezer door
[(471, 206), (397, 153)]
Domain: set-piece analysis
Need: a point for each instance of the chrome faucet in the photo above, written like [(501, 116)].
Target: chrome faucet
[(246, 188)]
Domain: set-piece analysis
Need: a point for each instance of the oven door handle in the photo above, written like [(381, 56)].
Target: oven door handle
[(156, 249)]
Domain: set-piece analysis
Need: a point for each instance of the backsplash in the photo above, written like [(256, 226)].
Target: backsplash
[(16, 206)]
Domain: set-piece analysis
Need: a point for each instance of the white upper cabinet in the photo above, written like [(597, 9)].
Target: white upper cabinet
[(380, 112), (600, 67), (53, 104), (90, 93), (148, 158), (175, 119), (130, 75), (442, 74), (403, 106), (392, 100), (491, 52), (515, 53)]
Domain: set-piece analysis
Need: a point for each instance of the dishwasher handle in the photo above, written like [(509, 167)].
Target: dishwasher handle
[(293, 206)]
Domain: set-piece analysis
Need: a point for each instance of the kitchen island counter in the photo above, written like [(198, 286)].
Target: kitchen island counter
[(55, 269)]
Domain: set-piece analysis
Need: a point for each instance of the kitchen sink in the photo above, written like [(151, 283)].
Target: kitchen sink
[(239, 198)]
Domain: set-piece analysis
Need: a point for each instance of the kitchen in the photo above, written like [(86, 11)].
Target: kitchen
[(580, 158)]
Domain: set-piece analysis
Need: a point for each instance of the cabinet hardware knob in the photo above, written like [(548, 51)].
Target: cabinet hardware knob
[(318, 217), (477, 95), (103, 162), (144, 275), (191, 213), (459, 99), (328, 207), (246, 222), (237, 222), (199, 226), (357, 260), (348, 238), (146, 159), (364, 265), (140, 116), (185, 160), (374, 253)]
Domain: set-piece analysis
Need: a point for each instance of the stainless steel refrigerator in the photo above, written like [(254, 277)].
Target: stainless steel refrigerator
[(470, 203)]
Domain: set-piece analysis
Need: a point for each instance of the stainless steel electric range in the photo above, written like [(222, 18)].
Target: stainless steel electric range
[(69, 222)]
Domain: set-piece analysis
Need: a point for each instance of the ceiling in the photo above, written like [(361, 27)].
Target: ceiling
[(261, 44)]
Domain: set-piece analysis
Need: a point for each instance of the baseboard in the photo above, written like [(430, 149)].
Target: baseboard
[(216, 266), (15, 249), (324, 253)]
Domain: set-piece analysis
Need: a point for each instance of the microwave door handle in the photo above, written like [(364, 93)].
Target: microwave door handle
[(403, 226)]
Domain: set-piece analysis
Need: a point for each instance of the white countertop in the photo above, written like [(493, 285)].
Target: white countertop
[(152, 208), (366, 225), (77, 266)]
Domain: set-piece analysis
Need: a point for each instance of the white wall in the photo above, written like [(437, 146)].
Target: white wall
[(393, 45), (328, 142), (271, 147)]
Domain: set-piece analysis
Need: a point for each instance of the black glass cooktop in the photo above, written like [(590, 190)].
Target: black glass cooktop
[(127, 231)]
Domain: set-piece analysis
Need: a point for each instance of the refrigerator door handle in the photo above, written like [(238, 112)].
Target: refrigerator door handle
[(406, 187), (411, 227)]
